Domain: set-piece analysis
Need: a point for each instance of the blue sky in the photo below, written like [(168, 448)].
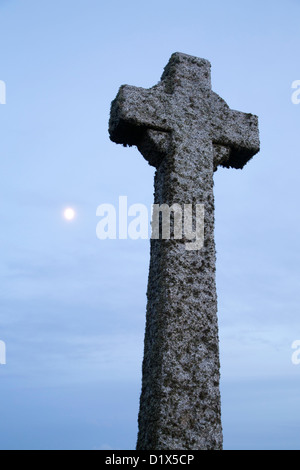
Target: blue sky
[(72, 306)]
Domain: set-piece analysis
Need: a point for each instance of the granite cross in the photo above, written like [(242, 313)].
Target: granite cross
[(186, 131)]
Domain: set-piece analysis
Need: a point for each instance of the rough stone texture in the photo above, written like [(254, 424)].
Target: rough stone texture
[(185, 130)]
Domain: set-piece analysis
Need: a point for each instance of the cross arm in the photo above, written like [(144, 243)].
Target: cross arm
[(237, 131), (133, 111)]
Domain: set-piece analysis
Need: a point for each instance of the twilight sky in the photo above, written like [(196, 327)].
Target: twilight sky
[(72, 307)]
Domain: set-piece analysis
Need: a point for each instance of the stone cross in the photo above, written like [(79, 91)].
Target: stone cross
[(186, 131)]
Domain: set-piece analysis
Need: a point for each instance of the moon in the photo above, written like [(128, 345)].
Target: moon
[(69, 213)]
